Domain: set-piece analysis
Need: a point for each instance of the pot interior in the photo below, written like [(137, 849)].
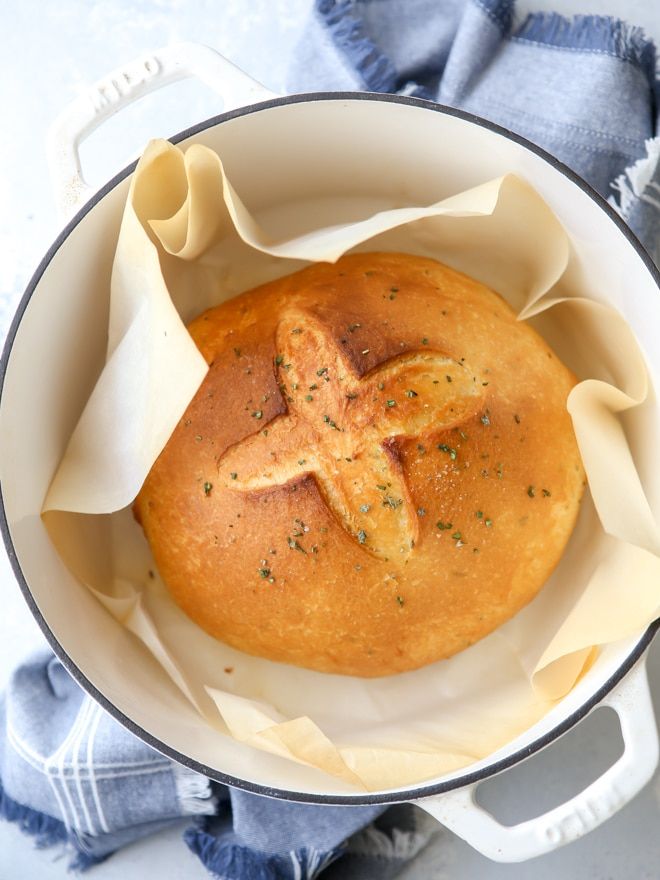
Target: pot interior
[(391, 152)]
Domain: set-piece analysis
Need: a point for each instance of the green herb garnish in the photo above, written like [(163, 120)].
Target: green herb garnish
[(294, 545)]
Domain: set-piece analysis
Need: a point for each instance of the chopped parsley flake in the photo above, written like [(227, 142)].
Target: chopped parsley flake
[(448, 449), (279, 359), (309, 397), (257, 414), (294, 545), (425, 341), (411, 393), (313, 387), (233, 475), (484, 419), (546, 493), (302, 461), (382, 488), (388, 501), (488, 523), (479, 514), (381, 385), (448, 378), (351, 395), (237, 352), (362, 536), (365, 508), (353, 327), (444, 526), (457, 536), (399, 599), (207, 488), (391, 403), (297, 330), (264, 572), (531, 491), (322, 371)]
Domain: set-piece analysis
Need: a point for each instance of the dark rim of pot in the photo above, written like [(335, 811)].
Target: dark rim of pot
[(419, 790)]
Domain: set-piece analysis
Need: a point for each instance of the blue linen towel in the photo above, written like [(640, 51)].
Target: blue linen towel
[(586, 91)]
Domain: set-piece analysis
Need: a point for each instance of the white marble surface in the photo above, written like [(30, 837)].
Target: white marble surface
[(51, 52)]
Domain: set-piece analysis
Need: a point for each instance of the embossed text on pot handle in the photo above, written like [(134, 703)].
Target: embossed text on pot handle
[(459, 812), (120, 88)]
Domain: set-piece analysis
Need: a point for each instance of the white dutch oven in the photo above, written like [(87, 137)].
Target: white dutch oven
[(276, 151)]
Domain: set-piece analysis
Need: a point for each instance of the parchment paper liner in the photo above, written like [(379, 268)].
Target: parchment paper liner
[(188, 242)]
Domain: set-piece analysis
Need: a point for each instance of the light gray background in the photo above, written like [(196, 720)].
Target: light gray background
[(51, 52)]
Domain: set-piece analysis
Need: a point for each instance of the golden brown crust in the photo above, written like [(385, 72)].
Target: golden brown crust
[(378, 470)]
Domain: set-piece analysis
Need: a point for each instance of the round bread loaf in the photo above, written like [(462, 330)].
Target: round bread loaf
[(378, 470)]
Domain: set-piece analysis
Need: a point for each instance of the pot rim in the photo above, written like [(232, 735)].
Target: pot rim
[(419, 790)]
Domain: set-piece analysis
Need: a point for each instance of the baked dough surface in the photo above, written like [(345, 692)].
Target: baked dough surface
[(378, 470)]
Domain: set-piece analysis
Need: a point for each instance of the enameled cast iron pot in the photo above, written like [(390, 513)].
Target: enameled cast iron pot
[(277, 150)]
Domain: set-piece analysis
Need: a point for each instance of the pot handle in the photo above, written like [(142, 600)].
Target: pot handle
[(120, 88), (459, 812)]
